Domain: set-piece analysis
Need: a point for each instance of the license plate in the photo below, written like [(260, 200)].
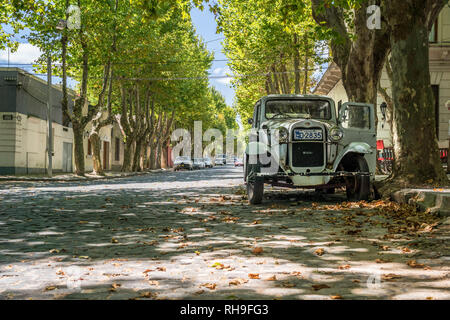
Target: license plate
[(308, 134)]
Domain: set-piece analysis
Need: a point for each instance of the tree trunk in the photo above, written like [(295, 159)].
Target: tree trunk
[(158, 156), (127, 156), (137, 157), (79, 148), (416, 147), (164, 156), (153, 156), (296, 65), (275, 80), (305, 77), (96, 156)]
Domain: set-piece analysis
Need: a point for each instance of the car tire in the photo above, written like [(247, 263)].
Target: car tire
[(255, 185), (358, 188)]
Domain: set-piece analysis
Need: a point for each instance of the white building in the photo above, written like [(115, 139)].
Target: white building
[(24, 129)]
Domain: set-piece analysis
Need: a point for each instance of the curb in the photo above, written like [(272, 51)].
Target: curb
[(78, 179), (434, 201)]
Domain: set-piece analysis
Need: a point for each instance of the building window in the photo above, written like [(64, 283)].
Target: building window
[(434, 33), (117, 150), (435, 89), (89, 147)]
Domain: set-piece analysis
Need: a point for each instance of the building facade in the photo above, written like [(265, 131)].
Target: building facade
[(439, 61), (24, 129)]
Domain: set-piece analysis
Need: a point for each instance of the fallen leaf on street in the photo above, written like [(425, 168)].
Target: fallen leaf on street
[(148, 294), (317, 287), (210, 286), (344, 267), (253, 275), (236, 282), (319, 251), (272, 278), (49, 288), (390, 277), (336, 297), (288, 284), (257, 250), (414, 264)]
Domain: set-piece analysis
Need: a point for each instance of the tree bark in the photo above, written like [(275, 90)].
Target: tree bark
[(416, 148), (78, 148), (361, 60), (96, 156), (296, 65)]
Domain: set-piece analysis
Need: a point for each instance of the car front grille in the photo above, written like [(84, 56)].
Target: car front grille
[(307, 154)]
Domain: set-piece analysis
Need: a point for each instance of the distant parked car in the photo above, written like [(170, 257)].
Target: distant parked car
[(183, 163), (220, 160), (208, 162), (198, 163), (238, 162)]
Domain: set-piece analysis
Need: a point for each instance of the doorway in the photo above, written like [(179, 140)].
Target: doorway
[(67, 157)]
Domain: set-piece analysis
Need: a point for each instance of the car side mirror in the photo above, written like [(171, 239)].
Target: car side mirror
[(250, 121)]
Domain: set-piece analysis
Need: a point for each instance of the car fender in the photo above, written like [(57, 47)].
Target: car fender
[(354, 147)]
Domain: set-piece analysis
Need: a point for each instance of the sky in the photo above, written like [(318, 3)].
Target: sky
[(205, 25)]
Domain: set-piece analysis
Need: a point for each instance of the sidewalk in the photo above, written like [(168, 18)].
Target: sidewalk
[(433, 200), (74, 177), (436, 201)]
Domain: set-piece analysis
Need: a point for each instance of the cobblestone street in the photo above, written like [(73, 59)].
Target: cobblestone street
[(192, 235)]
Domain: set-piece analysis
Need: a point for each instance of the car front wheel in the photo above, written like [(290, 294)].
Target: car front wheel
[(358, 187), (255, 185)]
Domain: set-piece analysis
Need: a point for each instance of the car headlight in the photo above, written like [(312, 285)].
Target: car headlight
[(283, 135), (336, 134)]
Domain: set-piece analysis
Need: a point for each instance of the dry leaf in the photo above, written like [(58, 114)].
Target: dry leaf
[(288, 284), (319, 251), (344, 267), (148, 294), (272, 278), (116, 285), (153, 283), (390, 277), (49, 288), (317, 287), (236, 282), (210, 286), (253, 275), (414, 264), (336, 297), (257, 250), (161, 269)]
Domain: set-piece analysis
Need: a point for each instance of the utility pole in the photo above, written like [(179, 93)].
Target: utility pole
[(49, 117)]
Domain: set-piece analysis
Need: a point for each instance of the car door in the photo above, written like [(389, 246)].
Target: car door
[(358, 122)]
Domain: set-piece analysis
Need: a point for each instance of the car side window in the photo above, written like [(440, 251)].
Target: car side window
[(356, 117)]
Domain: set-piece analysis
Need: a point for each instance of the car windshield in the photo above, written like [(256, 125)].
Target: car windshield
[(287, 109), (182, 158)]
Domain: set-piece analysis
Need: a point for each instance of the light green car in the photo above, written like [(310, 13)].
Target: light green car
[(302, 141)]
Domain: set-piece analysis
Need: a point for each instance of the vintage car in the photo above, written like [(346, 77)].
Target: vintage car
[(302, 141)]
